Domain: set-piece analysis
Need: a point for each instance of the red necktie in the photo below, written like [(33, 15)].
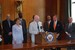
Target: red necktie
[(54, 25)]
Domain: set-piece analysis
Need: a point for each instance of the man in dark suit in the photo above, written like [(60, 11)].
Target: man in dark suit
[(24, 28), (70, 31), (7, 30), (47, 23), (56, 26)]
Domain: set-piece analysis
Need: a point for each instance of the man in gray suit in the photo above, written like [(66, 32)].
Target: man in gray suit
[(70, 31)]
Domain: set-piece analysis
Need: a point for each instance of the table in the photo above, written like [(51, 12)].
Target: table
[(30, 46)]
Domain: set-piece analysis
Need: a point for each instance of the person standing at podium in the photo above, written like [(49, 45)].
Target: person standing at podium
[(35, 27), (57, 27)]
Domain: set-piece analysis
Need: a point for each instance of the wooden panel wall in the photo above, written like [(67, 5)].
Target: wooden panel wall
[(64, 11), (58, 7), (39, 7), (50, 7), (8, 6), (30, 8)]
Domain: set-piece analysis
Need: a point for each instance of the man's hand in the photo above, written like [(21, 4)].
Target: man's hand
[(0, 36), (10, 33), (68, 34), (57, 35)]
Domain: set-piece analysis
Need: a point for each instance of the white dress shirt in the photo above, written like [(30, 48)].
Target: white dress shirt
[(33, 27), (49, 22), (17, 34)]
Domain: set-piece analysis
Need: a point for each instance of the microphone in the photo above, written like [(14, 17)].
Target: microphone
[(41, 28)]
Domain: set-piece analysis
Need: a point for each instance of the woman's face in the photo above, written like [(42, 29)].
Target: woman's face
[(18, 21)]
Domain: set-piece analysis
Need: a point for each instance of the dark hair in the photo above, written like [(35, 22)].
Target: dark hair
[(16, 20)]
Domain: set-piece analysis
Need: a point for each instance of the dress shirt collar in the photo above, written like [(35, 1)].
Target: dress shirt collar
[(49, 21), (55, 21)]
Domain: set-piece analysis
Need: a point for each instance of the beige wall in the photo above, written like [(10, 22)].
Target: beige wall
[(32, 7)]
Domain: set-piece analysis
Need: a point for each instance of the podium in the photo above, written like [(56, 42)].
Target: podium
[(41, 37)]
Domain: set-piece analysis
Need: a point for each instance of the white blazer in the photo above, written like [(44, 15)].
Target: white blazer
[(17, 33), (33, 27)]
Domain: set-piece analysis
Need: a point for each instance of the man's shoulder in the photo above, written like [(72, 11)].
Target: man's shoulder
[(73, 23), (40, 22), (23, 19), (4, 21), (32, 22), (14, 25)]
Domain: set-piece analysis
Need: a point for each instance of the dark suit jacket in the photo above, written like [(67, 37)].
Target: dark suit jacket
[(45, 26), (71, 30), (0, 30), (24, 26), (6, 28), (24, 30), (59, 27)]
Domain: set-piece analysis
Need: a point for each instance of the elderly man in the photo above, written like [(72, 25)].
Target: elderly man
[(35, 27), (70, 31), (7, 30)]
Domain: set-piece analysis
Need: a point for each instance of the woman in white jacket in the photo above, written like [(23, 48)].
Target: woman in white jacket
[(17, 32)]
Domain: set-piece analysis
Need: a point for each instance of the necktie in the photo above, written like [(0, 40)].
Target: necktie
[(54, 25), (49, 24), (9, 23), (38, 26), (69, 26)]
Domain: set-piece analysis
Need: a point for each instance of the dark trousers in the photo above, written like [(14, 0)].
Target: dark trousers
[(0, 43), (71, 48), (7, 39), (25, 38)]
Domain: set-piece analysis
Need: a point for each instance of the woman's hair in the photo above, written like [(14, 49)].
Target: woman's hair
[(16, 20)]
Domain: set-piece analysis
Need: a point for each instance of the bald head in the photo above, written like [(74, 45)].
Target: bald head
[(70, 19), (36, 18)]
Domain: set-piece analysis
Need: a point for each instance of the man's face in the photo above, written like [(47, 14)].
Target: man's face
[(54, 18), (70, 20), (8, 17), (36, 18), (48, 18)]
